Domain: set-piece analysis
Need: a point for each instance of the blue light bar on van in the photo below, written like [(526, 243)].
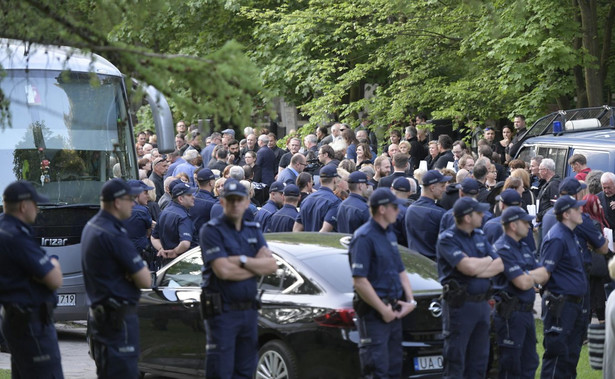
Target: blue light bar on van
[(588, 123)]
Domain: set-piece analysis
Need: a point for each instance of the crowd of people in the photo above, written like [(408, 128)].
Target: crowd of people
[(497, 227), (323, 182)]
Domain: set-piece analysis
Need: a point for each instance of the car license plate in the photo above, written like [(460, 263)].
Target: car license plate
[(434, 362), (67, 300)]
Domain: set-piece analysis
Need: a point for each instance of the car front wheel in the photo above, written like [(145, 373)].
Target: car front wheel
[(276, 361)]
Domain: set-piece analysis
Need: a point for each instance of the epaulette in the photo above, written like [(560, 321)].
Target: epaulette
[(447, 234), (215, 221), (253, 224)]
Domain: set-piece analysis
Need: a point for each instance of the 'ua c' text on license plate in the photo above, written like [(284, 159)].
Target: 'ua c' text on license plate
[(67, 300), (434, 362)]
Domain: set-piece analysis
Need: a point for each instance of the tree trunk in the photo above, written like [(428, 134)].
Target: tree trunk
[(579, 80), (606, 42), (593, 81)]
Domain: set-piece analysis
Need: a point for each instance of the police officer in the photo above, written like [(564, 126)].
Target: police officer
[(113, 272), (514, 321), (589, 234), (423, 216), (139, 225), (402, 188), (354, 212), (466, 262), (173, 234), (562, 301), (276, 200), (469, 187), (316, 206), (28, 279), (283, 220), (234, 255), (204, 200), (493, 228), (383, 292)]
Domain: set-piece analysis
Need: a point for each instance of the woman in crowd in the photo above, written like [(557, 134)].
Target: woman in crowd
[(218, 186), (250, 158), (351, 143), (364, 156), (432, 157), (152, 204), (527, 197), (502, 146), (404, 147)]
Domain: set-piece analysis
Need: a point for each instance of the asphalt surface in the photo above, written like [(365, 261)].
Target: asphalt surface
[(76, 363)]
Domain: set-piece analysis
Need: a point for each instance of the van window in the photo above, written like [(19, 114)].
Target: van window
[(596, 160), (559, 156)]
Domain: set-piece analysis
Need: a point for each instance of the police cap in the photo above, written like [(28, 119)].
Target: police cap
[(23, 190)]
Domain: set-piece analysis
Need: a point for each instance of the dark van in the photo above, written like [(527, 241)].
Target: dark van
[(559, 135)]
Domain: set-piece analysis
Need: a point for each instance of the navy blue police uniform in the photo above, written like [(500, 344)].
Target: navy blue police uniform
[(589, 233), (284, 219), (137, 226), (353, 212), (174, 226), (374, 255), (466, 322), (27, 304), (423, 219), (232, 334), (562, 303), (470, 187), (493, 228), (113, 326), (399, 227), (264, 214), (318, 205), (515, 328)]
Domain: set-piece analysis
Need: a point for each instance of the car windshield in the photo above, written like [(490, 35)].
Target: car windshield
[(65, 133), (335, 268)]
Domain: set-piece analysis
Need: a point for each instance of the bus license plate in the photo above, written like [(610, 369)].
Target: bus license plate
[(434, 362), (67, 300)]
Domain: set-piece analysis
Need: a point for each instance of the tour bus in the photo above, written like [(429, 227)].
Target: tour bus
[(68, 129)]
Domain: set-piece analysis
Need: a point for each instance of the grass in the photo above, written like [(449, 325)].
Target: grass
[(583, 368), (5, 374)]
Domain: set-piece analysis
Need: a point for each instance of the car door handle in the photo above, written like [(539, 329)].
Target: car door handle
[(189, 303)]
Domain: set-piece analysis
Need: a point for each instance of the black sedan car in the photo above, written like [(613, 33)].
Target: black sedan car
[(306, 324)]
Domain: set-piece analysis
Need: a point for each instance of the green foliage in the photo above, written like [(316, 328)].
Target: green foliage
[(181, 48)]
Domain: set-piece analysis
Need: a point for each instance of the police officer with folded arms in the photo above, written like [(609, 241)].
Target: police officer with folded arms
[(173, 235), (562, 301), (234, 255), (514, 320), (383, 295), (28, 280), (466, 263), (113, 273)]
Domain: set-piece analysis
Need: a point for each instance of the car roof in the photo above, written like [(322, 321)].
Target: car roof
[(605, 136)]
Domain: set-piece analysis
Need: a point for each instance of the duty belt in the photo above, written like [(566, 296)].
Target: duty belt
[(568, 298), (239, 306)]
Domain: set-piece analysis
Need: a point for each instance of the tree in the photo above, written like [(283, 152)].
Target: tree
[(213, 78)]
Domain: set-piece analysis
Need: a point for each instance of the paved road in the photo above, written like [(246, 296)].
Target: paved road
[(76, 362)]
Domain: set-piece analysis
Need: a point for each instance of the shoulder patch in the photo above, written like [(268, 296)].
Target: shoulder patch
[(252, 224)]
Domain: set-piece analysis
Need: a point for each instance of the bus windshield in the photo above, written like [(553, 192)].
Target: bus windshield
[(67, 133)]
